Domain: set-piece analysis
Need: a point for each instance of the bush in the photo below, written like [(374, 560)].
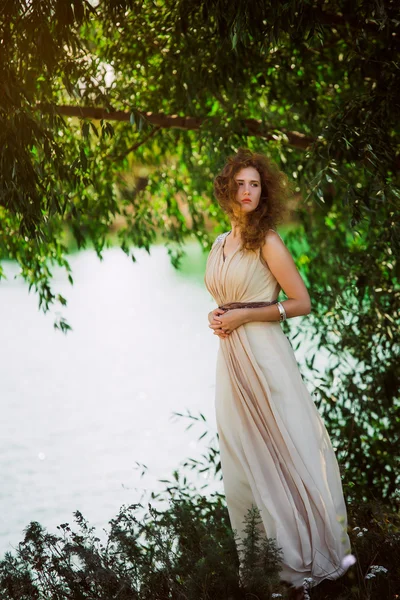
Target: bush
[(187, 551)]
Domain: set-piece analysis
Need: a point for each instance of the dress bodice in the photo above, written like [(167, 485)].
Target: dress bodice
[(243, 276)]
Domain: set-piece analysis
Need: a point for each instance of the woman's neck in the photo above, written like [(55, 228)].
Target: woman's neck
[(235, 231)]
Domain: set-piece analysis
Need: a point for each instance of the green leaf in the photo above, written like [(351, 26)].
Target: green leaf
[(85, 129)]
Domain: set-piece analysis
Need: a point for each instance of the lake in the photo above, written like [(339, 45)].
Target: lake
[(79, 410)]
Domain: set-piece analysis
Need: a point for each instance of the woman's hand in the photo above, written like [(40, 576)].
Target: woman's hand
[(215, 323), (228, 321)]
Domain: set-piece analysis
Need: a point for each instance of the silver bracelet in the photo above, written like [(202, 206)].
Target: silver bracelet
[(282, 312)]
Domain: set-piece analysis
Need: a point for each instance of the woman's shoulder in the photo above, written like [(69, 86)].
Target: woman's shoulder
[(273, 236), (220, 238), (273, 245)]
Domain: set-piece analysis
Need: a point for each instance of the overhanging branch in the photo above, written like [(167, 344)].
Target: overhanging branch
[(250, 126)]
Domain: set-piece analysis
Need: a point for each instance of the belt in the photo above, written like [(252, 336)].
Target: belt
[(233, 305)]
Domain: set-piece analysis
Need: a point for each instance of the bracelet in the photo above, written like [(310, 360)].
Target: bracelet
[(282, 312)]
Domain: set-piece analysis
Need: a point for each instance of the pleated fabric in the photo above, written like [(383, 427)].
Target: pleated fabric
[(275, 450)]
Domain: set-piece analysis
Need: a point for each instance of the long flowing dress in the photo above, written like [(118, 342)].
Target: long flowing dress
[(276, 453)]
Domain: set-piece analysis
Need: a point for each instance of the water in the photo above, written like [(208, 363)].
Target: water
[(79, 410)]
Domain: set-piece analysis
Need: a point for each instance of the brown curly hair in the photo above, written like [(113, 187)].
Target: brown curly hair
[(275, 189)]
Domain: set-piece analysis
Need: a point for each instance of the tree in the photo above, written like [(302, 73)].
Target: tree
[(173, 87)]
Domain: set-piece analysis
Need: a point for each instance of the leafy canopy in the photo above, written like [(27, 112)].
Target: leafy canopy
[(124, 111)]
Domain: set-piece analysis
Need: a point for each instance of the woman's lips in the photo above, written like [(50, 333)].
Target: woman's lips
[(247, 200)]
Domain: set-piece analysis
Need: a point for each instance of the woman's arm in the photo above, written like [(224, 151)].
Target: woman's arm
[(283, 268)]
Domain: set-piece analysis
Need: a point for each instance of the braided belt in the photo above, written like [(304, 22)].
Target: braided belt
[(233, 305)]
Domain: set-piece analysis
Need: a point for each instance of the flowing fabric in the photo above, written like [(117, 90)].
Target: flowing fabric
[(275, 450)]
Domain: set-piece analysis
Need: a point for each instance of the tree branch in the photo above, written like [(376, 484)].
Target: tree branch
[(252, 127), (135, 146)]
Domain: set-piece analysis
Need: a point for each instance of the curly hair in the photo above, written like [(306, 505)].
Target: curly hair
[(275, 189)]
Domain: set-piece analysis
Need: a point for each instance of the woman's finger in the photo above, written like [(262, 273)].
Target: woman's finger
[(224, 333), (220, 333)]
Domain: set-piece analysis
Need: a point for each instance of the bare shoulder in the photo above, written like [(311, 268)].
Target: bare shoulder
[(272, 234), (274, 249), (273, 239)]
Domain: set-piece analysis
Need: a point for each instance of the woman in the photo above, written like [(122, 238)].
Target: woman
[(275, 451)]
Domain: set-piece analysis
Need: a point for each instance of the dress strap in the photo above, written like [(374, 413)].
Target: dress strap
[(220, 238)]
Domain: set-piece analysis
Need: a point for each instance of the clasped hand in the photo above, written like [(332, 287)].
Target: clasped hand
[(223, 322)]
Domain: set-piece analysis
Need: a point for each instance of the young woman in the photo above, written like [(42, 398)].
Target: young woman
[(275, 451)]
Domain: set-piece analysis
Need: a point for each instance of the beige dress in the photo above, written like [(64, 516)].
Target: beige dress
[(275, 450)]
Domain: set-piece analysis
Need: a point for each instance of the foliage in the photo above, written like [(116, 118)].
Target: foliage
[(355, 303), (186, 551), (314, 84), (261, 558), (182, 547)]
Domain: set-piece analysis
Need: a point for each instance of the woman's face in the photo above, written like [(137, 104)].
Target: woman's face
[(249, 188)]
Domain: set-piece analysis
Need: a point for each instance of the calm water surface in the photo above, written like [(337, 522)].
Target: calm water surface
[(79, 410)]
